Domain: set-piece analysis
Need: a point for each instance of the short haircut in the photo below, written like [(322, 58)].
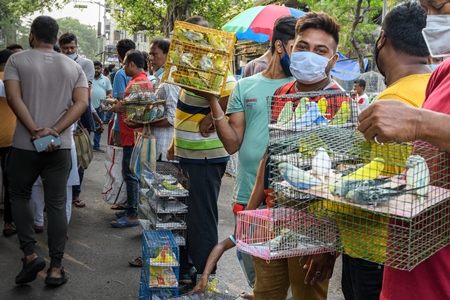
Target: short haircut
[(136, 57), (67, 38), (14, 46), (319, 20), (198, 20), (283, 30), (361, 83), (106, 71), (162, 44), (123, 46), (45, 29), (145, 54), (98, 64), (403, 26), (56, 48), (111, 67), (4, 55)]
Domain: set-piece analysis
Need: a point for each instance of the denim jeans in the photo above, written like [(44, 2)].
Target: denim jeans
[(361, 279), (76, 189), (132, 183), (97, 137)]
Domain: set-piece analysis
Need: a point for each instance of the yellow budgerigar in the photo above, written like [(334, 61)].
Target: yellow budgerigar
[(342, 116), (369, 171), (322, 103)]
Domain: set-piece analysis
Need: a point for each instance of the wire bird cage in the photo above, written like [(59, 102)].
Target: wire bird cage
[(389, 202), (163, 203), (199, 57), (143, 103)]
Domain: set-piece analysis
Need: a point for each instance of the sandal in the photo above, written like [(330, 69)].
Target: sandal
[(123, 222), (119, 206), (78, 203), (137, 262)]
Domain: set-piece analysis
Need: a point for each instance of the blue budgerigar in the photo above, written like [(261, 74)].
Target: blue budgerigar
[(297, 177), (342, 187), (418, 176), (312, 116), (376, 195)]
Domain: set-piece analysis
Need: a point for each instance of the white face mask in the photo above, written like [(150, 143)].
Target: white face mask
[(308, 67), (72, 56), (437, 35)]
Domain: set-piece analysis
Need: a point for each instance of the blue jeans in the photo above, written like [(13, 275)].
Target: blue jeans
[(97, 137), (108, 116), (361, 279), (132, 183)]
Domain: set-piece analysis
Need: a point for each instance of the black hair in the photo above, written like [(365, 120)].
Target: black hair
[(162, 44), (106, 71), (198, 20), (67, 38), (56, 48), (283, 30), (319, 20), (14, 46), (403, 26), (4, 55), (45, 29), (136, 57), (145, 54), (361, 83), (97, 63), (123, 46), (111, 67)]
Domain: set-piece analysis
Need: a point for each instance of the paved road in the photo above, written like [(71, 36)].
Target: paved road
[(96, 258)]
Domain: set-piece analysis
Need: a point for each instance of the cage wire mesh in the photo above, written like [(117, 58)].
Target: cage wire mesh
[(199, 57), (163, 202), (383, 203), (160, 264)]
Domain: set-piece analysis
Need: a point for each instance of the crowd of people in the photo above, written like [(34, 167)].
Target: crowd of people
[(199, 133)]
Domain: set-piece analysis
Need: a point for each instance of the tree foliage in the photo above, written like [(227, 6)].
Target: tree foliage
[(359, 20), (158, 16)]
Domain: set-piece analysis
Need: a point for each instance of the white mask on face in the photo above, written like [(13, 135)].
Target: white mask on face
[(437, 35), (72, 56), (308, 67)]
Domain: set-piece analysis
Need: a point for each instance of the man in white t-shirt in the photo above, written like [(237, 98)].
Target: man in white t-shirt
[(359, 87)]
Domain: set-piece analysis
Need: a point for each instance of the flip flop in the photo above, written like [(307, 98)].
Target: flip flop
[(118, 206), (123, 222), (137, 262)]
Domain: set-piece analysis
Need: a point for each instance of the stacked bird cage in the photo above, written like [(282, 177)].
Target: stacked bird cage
[(142, 105), (389, 202), (199, 58)]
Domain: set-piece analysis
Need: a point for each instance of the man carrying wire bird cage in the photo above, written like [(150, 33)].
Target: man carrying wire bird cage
[(394, 121)]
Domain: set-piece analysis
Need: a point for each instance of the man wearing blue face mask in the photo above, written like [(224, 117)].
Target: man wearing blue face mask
[(390, 121)]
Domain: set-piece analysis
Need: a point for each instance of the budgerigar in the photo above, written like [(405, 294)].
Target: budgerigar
[(286, 113), (297, 177), (321, 164), (418, 175), (322, 103), (341, 188), (300, 110), (312, 116), (373, 195), (342, 116)]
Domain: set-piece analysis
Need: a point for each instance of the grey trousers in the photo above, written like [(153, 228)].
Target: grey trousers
[(23, 167)]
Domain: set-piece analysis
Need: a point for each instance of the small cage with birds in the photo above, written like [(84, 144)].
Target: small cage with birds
[(199, 57), (142, 105), (389, 202)]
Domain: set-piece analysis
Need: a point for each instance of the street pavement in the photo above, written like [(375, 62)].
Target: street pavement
[(96, 255)]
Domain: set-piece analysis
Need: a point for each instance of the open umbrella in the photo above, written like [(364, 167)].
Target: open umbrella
[(256, 23)]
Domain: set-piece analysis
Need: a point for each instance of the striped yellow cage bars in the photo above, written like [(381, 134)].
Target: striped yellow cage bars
[(199, 58), (389, 202)]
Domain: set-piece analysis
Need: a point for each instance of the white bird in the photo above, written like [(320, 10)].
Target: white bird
[(297, 177), (418, 176), (321, 164)]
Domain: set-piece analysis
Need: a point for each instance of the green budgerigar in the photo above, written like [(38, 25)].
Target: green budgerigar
[(300, 110), (286, 113), (342, 116)]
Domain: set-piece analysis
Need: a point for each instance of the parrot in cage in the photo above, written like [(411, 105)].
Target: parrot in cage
[(418, 176), (300, 110), (297, 177), (342, 116), (312, 116), (322, 103), (370, 195), (369, 171), (286, 113), (342, 188), (321, 164)]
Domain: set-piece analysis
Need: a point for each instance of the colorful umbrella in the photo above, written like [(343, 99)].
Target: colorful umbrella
[(256, 23)]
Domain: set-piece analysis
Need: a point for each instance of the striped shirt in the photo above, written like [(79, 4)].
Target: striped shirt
[(190, 145)]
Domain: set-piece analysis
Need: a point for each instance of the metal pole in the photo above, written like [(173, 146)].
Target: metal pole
[(384, 12)]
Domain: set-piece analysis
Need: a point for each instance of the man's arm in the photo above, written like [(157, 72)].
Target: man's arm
[(108, 93), (394, 121), (257, 196), (80, 104)]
